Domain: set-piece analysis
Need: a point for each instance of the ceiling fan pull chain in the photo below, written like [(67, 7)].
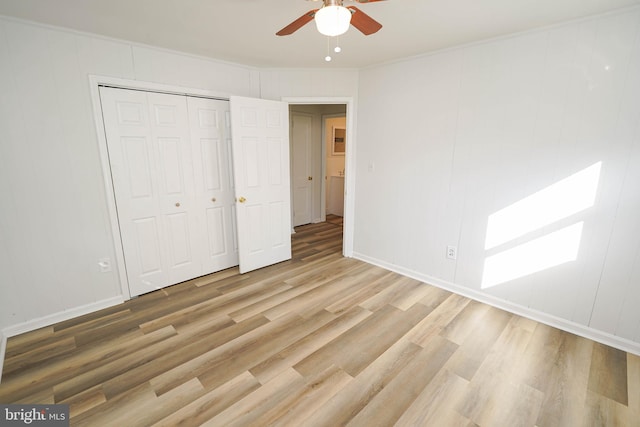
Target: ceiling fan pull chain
[(328, 57)]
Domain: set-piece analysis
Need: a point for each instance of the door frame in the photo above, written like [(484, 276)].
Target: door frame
[(95, 81), (349, 162)]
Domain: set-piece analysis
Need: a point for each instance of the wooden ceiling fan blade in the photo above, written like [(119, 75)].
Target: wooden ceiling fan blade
[(363, 22), (297, 24)]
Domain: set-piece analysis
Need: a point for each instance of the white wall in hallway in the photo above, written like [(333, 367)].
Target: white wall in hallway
[(447, 140)]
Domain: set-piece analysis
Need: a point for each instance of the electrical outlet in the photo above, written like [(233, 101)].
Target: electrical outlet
[(452, 252), (104, 264)]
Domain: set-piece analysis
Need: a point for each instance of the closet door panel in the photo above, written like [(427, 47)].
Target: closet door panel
[(176, 191), (135, 182), (209, 125), (216, 226), (152, 173), (148, 247)]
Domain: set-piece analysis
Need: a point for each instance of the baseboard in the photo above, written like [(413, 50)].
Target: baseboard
[(51, 319), (556, 322), (3, 347)]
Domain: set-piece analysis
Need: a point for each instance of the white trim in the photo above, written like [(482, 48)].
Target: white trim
[(61, 316), (556, 322), (51, 319), (95, 82), (129, 43), (3, 349), (350, 162)]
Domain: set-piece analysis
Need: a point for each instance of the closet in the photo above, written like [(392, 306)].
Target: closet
[(172, 164)]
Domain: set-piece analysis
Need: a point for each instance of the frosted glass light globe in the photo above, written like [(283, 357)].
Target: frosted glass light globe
[(333, 20)]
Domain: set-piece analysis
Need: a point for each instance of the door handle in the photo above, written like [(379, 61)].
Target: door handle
[(242, 200), (178, 205), (213, 199), (310, 178)]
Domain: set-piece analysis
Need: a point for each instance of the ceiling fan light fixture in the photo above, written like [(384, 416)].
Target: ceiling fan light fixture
[(333, 20)]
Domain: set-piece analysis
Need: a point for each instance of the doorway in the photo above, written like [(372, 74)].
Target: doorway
[(334, 131), (318, 165)]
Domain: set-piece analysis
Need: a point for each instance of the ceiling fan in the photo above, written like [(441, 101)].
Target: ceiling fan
[(333, 19)]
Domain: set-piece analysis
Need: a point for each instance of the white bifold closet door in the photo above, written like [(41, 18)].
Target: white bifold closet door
[(170, 168), (214, 183)]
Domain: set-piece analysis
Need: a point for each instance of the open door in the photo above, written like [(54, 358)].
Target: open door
[(260, 142)]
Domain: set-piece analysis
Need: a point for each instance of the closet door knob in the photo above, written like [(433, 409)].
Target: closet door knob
[(242, 200), (213, 199), (178, 205), (310, 178)]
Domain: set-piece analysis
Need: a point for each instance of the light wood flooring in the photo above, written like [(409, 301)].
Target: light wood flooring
[(320, 340)]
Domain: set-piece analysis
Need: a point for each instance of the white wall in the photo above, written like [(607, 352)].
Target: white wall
[(310, 83), (448, 139), (54, 224)]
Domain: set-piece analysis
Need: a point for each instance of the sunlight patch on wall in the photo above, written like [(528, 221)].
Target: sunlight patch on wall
[(560, 200), (536, 255)]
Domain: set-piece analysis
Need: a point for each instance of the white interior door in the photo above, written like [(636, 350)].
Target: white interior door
[(152, 172), (211, 148), (260, 140), (302, 174)]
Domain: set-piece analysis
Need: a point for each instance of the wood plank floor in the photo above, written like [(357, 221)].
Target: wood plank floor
[(320, 340)]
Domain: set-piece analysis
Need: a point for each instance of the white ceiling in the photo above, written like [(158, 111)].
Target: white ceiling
[(243, 31)]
